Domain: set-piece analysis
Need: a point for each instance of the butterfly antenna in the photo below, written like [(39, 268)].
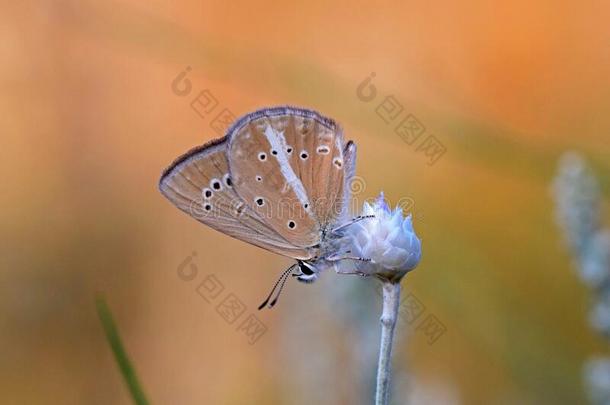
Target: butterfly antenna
[(277, 296), (282, 276)]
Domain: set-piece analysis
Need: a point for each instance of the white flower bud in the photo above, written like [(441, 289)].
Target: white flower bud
[(387, 239)]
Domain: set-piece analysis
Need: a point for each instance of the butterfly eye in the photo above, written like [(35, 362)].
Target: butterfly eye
[(323, 149), (207, 207), (289, 150), (304, 155), (259, 201), (305, 269), (273, 152), (207, 193), (338, 162), (262, 156), (292, 224), (259, 178)]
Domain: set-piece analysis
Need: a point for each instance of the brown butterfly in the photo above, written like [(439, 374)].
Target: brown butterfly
[(279, 179)]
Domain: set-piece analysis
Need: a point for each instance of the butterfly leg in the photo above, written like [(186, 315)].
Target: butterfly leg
[(347, 269), (346, 256), (351, 222), (343, 270), (337, 258)]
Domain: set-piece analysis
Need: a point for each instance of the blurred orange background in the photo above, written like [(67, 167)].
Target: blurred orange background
[(90, 120)]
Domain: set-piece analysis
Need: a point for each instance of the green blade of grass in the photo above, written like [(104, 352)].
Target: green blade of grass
[(114, 340)]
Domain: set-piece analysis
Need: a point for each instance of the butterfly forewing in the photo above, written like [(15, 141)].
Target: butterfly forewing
[(200, 184), (319, 159), (264, 178), (293, 160)]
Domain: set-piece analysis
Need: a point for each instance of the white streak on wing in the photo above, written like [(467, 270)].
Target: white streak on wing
[(338, 143), (278, 142)]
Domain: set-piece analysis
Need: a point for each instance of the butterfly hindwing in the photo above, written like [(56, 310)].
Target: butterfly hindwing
[(200, 184)]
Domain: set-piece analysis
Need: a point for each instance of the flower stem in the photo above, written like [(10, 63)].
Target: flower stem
[(391, 299)]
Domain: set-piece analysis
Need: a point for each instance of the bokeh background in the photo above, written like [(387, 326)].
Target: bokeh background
[(89, 120)]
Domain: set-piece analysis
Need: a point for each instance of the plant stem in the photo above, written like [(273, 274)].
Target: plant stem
[(114, 340), (391, 299)]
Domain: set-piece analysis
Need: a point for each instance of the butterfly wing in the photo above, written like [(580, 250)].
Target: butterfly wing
[(292, 159), (199, 183)]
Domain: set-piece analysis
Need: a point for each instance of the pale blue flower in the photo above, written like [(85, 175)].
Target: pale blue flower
[(597, 372), (595, 261), (388, 240), (576, 195), (577, 198)]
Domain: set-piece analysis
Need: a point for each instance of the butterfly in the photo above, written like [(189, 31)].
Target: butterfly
[(280, 180)]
